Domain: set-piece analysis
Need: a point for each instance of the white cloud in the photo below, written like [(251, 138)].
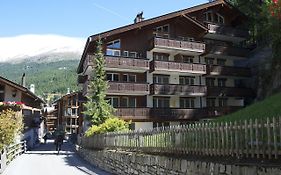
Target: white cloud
[(31, 45)]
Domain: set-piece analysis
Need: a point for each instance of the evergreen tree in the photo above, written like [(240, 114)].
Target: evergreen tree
[(97, 107)]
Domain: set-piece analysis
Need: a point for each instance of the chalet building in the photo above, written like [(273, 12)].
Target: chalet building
[(68, 113), (31, 105), (175, 68)]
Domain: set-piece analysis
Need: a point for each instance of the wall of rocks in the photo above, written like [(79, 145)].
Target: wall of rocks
[(124, 163)]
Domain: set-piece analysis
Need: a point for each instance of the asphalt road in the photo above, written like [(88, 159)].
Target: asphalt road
[(44, 160)]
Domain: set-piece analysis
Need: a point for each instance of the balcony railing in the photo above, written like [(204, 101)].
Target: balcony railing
[(177, 114), (128, 87), (133, 113), (227, 30), (176, 66), (165, 43), (121, 62), (228, 51), (230, 92), (228, 71), (176, 89)]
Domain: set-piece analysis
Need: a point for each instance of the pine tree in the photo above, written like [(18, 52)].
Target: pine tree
[(97, 107)]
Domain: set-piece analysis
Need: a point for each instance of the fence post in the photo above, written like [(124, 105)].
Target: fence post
[(275, 138), (3, 161), (268, 127)]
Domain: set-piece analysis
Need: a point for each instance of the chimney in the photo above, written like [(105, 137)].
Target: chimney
[(23, 80), (139, 18), (32, 88)]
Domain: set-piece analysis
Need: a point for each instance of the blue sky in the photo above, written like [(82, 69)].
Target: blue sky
[(78, 18)]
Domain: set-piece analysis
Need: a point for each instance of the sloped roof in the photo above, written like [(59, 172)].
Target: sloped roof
[(141, 24), (21, 88)]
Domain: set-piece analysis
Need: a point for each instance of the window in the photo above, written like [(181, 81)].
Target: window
[(112, 52), (126, 53), (187, 59), (160, 56), (218, 18), (74, 101), (210, 82), (112, 77), (208, 16), (221, 82), (161, 102), (161, 79), (214, 17), (160, 124), (221, 62), (163, 31), (129, 78), (2, 92), (113, 101), (187, 102), (211, 102), (209, 61), (116, 44), (133, 54), (186, 80), (222, 102), (128, 102)]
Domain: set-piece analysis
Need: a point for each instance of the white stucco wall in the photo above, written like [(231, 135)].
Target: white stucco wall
[(143, 125)]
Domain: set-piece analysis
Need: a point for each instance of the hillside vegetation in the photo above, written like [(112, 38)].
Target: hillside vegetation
[(270, 107), (48, 77)]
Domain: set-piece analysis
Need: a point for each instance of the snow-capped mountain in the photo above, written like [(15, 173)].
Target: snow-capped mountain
[(42, 48)]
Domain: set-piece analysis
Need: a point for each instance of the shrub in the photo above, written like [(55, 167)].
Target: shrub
[(110, 125), (10, 125)]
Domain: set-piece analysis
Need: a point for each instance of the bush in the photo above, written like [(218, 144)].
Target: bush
[(10, 125), (110, 125)]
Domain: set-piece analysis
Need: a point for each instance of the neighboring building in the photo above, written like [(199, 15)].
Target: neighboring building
[(68, 111), (31, 108), (174, 68), (51, 118)]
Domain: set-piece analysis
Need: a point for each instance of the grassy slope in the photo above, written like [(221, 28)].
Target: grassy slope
[(270, 107)]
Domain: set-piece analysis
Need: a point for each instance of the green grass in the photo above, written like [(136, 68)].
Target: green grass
[(270, 107)]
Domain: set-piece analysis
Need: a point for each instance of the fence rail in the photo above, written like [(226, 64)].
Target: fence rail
[(8, 154), (247, 139)]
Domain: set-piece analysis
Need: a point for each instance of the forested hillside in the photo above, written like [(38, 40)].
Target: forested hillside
[(48, 77)]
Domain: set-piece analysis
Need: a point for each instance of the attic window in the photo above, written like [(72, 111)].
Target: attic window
[(214, 17), (163, 31), (2, 92), (116, 44)]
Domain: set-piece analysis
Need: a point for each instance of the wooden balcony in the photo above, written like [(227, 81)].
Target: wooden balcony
[(177, 67), (128, 88), (228, 71), (227, 33), (230, 92), (227, 51), (219, 111), (135, 114), (121, 63), (192, 47), (177, 114), (176, 89)]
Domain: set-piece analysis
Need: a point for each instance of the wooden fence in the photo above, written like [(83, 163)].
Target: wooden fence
[(247, 139), (10, 153)]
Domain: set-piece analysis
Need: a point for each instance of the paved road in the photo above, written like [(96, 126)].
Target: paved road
[(45, 161)]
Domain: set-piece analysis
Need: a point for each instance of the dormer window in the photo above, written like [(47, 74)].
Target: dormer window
[(113, 48)]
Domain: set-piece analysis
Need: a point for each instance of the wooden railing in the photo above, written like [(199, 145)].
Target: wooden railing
[(176, 89), (228, 51), (230, 92), (228, 71), (227, 30), (120, 62), (133, 113), (177, 113), (128, 87), (192, 46), (8, 154), (250, 139), (177, 66)]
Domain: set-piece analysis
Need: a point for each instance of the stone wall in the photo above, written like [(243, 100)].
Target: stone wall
[(124, 163)]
